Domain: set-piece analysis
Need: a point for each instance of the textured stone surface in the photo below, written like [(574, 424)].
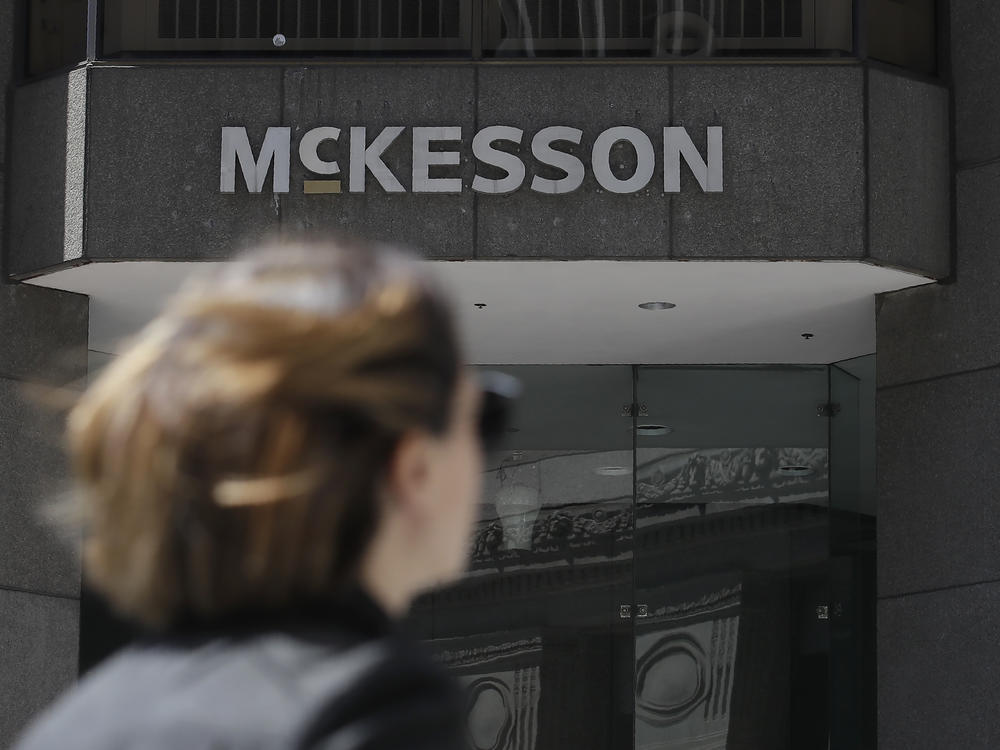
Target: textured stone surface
[(937, 330), (589, 222), (34, 555), (975, 70), (909, 173), (938, 450), (46, 209), (38, 656), (6, 65), (440, 225), (794, 168), (153, 162), (937, 658), (43, 334)]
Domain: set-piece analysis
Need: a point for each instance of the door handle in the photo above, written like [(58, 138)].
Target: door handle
[(625, 611)]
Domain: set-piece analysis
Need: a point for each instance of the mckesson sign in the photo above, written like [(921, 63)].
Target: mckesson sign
[(549, 146)]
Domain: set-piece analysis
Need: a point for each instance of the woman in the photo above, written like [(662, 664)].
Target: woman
[(282, 460)]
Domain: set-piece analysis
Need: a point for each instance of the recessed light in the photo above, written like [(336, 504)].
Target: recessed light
[(613, 471), (651, 430), (657, 305), (795, 471)]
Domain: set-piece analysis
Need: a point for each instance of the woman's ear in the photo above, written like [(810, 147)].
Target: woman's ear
[(409, 477)]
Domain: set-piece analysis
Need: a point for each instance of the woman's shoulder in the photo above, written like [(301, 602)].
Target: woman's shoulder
[(282, 688)]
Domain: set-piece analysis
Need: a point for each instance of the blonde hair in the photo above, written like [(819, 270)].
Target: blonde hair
[(229, 459)]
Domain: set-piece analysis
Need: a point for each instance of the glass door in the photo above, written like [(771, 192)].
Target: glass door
[(732, 639), (852, 555), (672, 558), (539, 630)]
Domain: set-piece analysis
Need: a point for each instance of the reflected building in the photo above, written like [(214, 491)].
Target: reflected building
[(675, 595)]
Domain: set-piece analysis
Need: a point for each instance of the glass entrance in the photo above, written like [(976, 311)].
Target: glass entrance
[(540, 630), (732, 529), (670, 557)]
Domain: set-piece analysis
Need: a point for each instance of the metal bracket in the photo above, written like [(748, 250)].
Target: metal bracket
[(625, 611), (827, 410), (627, 410)]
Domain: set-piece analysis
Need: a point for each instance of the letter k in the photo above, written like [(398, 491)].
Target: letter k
[(370, 158)]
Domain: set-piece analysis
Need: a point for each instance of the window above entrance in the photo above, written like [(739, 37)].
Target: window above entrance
[(897, 31), (488, 28)]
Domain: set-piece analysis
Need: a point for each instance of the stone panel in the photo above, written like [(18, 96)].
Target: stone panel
[(937, 676), (589, 222), (34, 554), (7, 16), (975, 70), (153, 161), (909, 174), (46, 166), (39, 640), (938, 449), (794, 162), (438, 224), (936, 330), (43, 334)]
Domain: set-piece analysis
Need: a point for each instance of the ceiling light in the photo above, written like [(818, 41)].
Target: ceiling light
[(651, 430), (795, 471), (657, 305), (613, 471)]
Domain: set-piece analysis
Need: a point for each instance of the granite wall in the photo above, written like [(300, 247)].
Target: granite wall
[(821, 161), (43, 342), (939, 445)]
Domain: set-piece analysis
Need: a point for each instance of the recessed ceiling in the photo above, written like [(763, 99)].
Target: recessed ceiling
[(562, 312)]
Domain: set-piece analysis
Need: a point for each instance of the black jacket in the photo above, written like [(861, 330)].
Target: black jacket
[(331, 677)]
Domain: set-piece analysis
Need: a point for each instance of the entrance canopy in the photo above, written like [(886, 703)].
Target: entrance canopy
[(564, 312)]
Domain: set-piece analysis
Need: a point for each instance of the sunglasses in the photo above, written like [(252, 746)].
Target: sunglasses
[(500, 394)]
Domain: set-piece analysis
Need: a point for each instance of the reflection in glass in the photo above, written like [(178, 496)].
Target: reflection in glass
[(517, 502), (339, 27), (531, 630), (491, 28), (534, 629), (667, 28), (707, 586)]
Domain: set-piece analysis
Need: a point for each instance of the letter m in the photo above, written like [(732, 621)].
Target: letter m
[(236, 145)]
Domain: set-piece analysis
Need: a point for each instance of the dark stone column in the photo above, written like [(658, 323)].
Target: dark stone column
[(939, 447), (43, 341)]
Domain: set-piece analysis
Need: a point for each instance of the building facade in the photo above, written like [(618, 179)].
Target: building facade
[(755, 515)]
